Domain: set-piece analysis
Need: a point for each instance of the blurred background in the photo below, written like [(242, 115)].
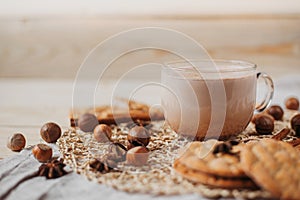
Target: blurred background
[(50, 39)]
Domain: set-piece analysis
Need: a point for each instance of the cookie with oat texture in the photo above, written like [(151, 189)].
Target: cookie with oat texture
[(274, 165), (213, 163)]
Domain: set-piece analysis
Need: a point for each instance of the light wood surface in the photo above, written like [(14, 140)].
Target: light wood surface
[(27, 104), (54, 47)]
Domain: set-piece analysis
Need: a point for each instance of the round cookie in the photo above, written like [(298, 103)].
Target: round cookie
[(199, 156), (274, 165), (212, 180)]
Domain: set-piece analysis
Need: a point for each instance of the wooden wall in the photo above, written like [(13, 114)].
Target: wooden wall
[(55, 46)]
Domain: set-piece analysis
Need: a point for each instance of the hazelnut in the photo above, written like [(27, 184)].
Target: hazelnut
[(130, 146), (295, 124), (255, 117), (50, 132), (137, 156), (264, 124), (292, 103), (102, 133), (276, 112), (87, 122), (42, 152), (222, 148), (16, 142), (138, 136), (117, 152)]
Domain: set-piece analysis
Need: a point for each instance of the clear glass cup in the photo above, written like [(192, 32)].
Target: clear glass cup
[(211, 98)]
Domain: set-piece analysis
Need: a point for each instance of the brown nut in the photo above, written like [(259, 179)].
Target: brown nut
[(117, 152), (50, 132), (137, 156), (138, 136), (264, 124), (42, 152), (276, 112), (295, 124), (130, 146), (102, 133), (87, 122), (255, 117), (16, 142), (292, 103)]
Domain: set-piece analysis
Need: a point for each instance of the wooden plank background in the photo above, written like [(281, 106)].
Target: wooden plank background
[(54, 47)]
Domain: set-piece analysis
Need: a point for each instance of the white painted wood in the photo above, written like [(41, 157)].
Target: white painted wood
[(161, 7)]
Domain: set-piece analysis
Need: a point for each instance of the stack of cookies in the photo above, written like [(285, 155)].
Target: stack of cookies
[(267, 164)]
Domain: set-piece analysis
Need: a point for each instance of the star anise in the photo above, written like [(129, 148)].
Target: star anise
[(225, 147), (104, 164), (52, 169)]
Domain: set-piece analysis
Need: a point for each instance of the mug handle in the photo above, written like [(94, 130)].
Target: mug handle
[(267, 100)]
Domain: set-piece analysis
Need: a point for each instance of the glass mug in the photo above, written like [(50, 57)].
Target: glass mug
[(211, 98)]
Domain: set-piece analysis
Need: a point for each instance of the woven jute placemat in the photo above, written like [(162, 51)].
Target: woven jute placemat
[(158, 177)]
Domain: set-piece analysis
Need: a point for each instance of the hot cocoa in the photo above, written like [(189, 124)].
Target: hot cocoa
[(213, 104)]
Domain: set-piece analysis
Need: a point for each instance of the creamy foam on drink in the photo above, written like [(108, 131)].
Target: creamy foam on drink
[(188, 104)]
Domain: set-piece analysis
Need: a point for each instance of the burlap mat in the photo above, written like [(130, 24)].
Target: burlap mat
[(157, 178)]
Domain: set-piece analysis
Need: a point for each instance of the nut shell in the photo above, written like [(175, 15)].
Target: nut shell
[(117, 152), (16, 142), (264, 124), (50, 132), (292, 103), (42, 152), (295, 124), (138, 136), (137, 156), (276, 112), (130, 146), (87, 122), (255, 117), (102, 133)]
